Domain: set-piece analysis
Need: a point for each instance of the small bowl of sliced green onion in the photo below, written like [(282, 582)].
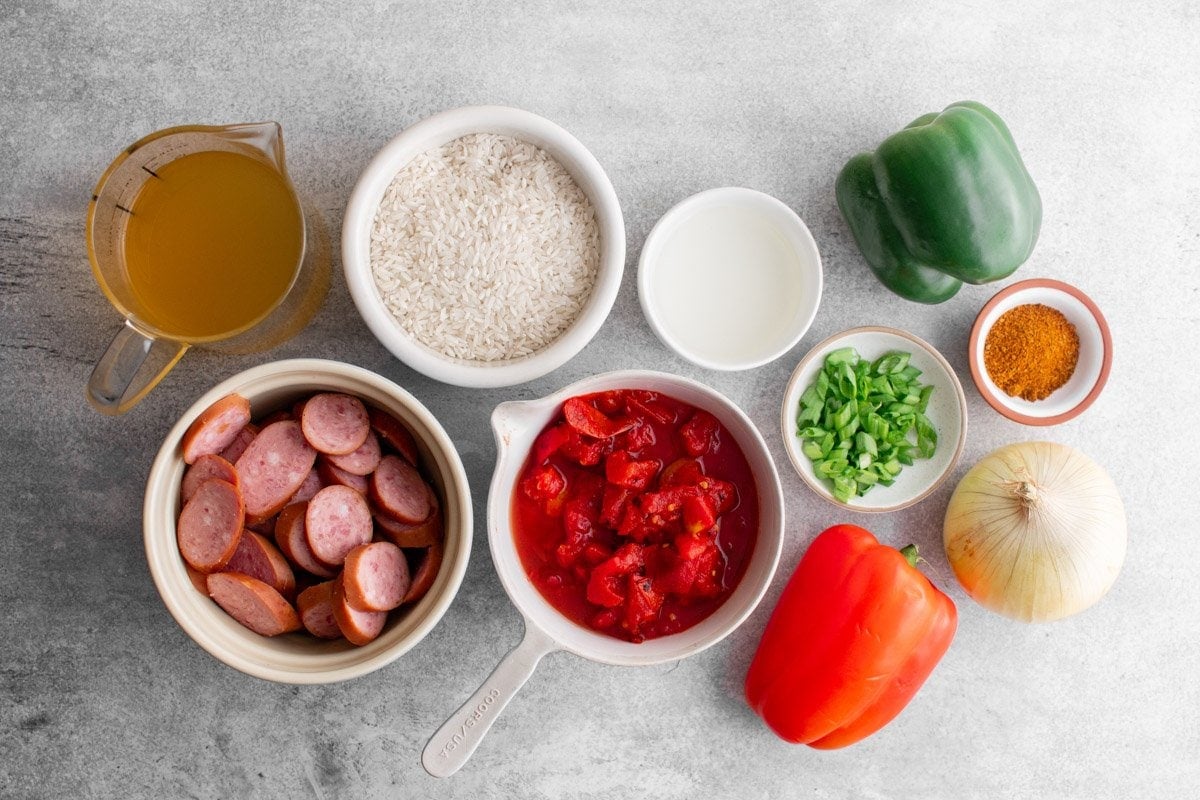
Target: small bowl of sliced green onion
[(874, 419)]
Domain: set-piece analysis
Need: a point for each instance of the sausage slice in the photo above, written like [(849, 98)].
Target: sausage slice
[(337, 520), (336, 424), (205, 467), (315, 606), (394, 433), (210, 525), (253, 603), (362, 461), (273, 468), (216, 428), (240, 442), (423, 534), (292, 539), (425, 573), (332, 475), (257, 557), (359, 627), (375, 577), (399, 491)]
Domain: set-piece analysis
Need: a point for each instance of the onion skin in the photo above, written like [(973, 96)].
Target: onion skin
[(1036, 531)]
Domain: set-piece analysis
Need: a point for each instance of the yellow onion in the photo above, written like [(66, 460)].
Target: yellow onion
[(1036, 531)]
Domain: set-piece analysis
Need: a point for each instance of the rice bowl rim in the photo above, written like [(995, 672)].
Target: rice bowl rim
[(441, 129)]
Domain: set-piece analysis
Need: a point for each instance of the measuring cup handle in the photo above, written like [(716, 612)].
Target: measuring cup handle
[(456, 740), (131, 366)]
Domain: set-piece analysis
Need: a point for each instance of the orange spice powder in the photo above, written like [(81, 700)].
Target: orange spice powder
[(1031, 351)]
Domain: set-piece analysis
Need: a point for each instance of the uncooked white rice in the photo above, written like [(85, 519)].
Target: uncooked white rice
[(485, 249)]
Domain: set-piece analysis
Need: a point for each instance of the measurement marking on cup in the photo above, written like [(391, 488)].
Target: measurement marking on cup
[(123, 208), (152, 172), (472, 720)]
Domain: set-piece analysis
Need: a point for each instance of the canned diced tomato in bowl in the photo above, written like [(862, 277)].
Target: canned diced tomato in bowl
[(634, 518), (263, 552)]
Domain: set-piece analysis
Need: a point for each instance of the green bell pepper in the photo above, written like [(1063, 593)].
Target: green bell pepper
[(945, 200)]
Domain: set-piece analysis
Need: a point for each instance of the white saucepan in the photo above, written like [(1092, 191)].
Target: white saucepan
[(516, 425)]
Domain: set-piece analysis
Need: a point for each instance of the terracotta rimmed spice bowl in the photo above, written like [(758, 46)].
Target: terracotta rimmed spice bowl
[(1091, 370)]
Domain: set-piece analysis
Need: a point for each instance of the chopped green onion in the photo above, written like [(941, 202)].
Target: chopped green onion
[(862, 422)]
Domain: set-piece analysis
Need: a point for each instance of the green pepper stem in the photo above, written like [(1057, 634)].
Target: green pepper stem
[(910, 554)]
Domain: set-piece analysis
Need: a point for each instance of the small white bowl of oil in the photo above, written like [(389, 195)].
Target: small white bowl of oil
[(730, 279)]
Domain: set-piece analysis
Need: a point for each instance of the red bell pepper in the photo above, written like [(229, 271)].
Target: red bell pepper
[(856, 632)]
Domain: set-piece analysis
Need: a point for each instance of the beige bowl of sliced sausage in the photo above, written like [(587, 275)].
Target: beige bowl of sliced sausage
[(307, 521)]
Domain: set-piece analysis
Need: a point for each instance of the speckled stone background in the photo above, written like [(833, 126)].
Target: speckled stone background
[(103, 695)]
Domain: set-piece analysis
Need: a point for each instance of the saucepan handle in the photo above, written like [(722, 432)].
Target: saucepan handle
[(456, 740)]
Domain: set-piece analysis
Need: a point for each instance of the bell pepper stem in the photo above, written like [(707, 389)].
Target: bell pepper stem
[(910, 554)]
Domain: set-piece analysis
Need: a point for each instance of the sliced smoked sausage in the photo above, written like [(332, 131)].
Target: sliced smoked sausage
[(337, 520), (394, 434), (240, 442), (216, 427), (375, 577), (359, 627), (332, 475), (273, 468), (253, 603), (426, 572), (292, 539), (315, 606), (336, 424), (362, 461), (210, 525), (399, 491), (257, 557), (402, 534), (205, 467)]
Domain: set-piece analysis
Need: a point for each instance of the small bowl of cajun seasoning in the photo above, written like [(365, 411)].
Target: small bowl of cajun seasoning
[(1040, 352)]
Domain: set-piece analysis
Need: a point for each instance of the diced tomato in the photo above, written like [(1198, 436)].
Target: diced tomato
[(642, 602), (610, 402), (634, 524), (667, 503), (545, 483), (637, 438), (699, 434), (594, 553), (612, 506), (682, 472), (690, 546), (605, 584), (590, 421), (722, 494), (641, 403), (548, 442), (583, 450), (579, 527), (707, 583), (699, 515), (589, 488), (679, 576), (624, 470)]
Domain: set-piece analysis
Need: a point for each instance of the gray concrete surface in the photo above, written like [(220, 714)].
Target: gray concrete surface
[(103, 695)]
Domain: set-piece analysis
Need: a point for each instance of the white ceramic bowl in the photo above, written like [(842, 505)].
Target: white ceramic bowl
[(1091, 371), (947, 411), (297, 657), (516, 425), (441, 129), (730, 279)]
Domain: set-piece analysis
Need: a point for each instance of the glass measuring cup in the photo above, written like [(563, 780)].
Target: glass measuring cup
[(154, 337)]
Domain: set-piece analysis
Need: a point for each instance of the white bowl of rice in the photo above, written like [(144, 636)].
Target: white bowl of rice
[(484, 246)]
